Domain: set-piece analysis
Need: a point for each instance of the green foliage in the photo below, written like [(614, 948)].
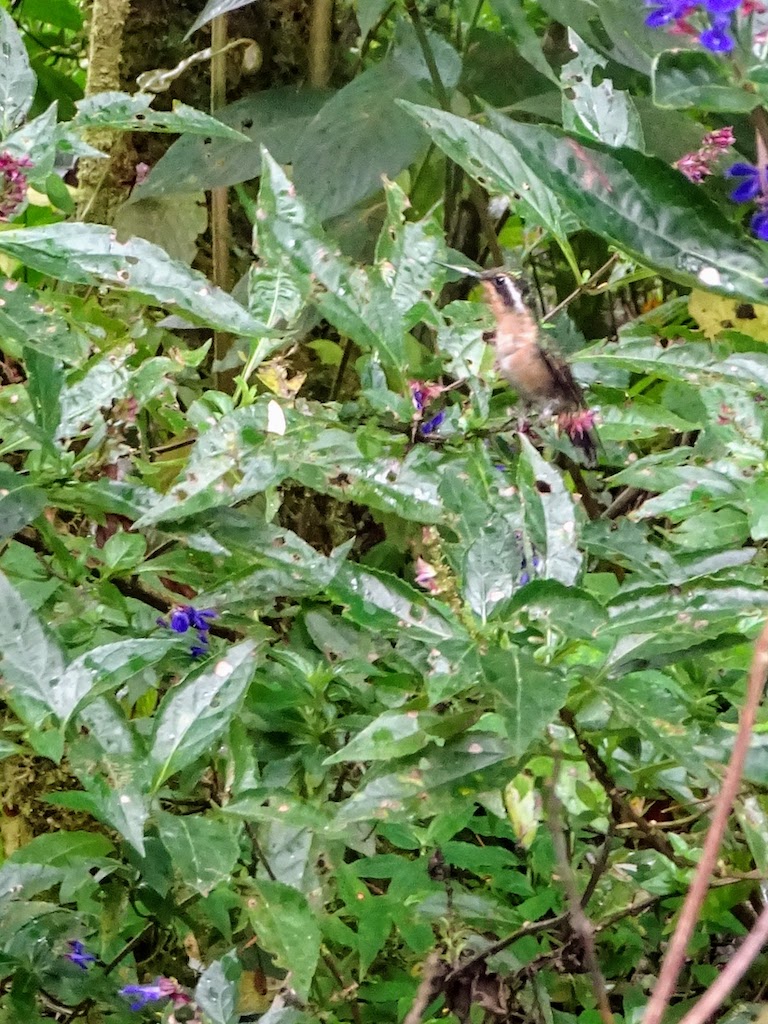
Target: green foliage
[(293, 662)]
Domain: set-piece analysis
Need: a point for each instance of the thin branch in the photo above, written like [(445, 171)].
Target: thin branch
[(532, 928), (581, 924), (586, 286), (433, 969), (675, 955), (320, 28), (733, 971), (621, 807), (219, 197)]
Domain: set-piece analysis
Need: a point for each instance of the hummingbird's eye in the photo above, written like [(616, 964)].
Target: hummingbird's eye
[(500, 281)]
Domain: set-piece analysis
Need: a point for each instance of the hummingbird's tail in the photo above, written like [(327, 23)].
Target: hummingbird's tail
[(580, 428)]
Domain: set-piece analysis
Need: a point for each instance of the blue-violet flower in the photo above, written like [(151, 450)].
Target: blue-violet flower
[(79, 955), (187, 617), (162, 988)]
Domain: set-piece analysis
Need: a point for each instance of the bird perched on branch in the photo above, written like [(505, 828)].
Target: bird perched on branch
[(539, 376)]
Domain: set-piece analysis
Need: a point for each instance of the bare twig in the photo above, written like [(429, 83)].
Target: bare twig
[(580, 923), (589, 283), (219, 197), (531, 928), (425, 993), (745, 955), (621, 807), (673, 961)]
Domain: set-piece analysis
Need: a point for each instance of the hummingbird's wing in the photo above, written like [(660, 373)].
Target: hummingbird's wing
[(564, 384)]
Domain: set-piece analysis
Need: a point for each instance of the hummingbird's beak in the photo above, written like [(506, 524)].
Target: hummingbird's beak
[(464, 269)]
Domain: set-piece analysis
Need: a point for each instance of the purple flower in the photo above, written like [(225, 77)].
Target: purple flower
[(434, 423), (13, 183), (716, 38), (721, 6), (666, 11), (759, 225), (79, 955), (750, 187), (187, 617), (162, 988)]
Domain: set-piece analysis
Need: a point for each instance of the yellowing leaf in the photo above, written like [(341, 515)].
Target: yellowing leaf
[(716, 313)]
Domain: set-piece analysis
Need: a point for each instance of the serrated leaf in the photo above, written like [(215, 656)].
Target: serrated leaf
[(644, 207), (528, 695), (287, 928), (17, 79), (119, 110), (197, 711), (90, 254), (203, 850)]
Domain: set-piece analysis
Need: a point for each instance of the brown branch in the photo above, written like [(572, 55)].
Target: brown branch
[(432, 973), (581, 924), (620, 806), (675, 955), (739, 963), (220, 230)]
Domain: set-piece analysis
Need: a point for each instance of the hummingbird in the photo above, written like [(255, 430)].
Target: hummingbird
[(539, 375)]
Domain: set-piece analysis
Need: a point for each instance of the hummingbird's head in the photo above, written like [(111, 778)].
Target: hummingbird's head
[(504, 290)]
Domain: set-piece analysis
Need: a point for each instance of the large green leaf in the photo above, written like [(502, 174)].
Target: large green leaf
[(597, 110), (198, 710), (287, 928), (528, 695), (203, 850), (645, 207), (20, 501), (134, 114), (684, 79), (31, 661), (274, 118), (216, 992), (90, 254), (362, 130), (17, 79), (498, 164)]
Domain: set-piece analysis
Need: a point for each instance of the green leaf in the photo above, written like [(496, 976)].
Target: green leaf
[(685, 79), (20, 501), (498, 164), (274, 118), (203, 849), (17, 79), (513, 17), (32, 319), (216, 993), (528, 695), (600, 111), (287, 928), (645, 207), (550, 516), (31, 661), (123, 551), (119, 110), (90, 254), (356, 303), (197, 711), (362, 130), (490, 568), (64, 849), (214, 9), (392, 734)]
